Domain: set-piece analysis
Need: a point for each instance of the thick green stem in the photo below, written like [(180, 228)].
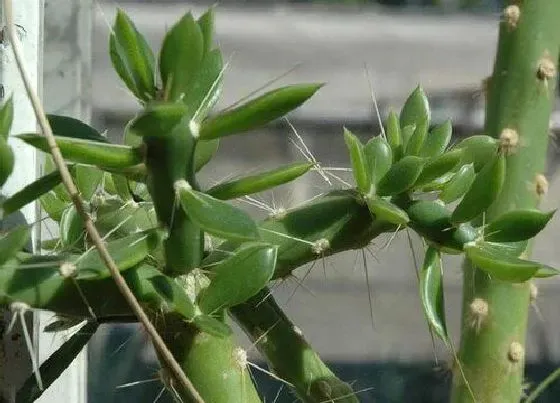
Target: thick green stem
[(216, 367), (519, 103), (288, 353)]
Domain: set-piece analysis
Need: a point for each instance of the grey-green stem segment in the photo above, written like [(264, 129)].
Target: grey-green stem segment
[(520, 97)]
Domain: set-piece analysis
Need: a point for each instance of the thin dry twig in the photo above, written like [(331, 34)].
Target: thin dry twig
[(158, 342)]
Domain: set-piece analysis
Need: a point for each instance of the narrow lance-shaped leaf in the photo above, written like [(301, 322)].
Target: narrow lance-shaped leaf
[(357, 158), (89, 152), (215, 216), (259, 182), (379, 158), (500, 265), (485, 189), (132, 58), (180, 57), (459, 184), (416, 109), (239, 277), (437, 140), (257, 112), (393, 133), (66, 126), (7, 160), (56, 364), (478, 149), (206, 25), (401, 176), (30, 193), (126, 252), (416, 140), (13, 242), (517, 225), (87, 179), (431, 293), (406, 133), (204, 152), (6, 117), (438, 167), (71, 228), (158, 120), (387, 211)]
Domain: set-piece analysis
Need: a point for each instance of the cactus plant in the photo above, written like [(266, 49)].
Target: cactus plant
[(145, 199)]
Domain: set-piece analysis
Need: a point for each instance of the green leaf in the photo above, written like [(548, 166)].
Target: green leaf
[(500, 265), (431, 293), (53, 206), (378, 157), (6, 160), (66, 126), (438, 167), (357, 158), (259, 182), (121, 187), (239, 277), (56, 364), (407, 133), (204, 152), (71, 228), (126, 252), (87, 179), (478, 150), (387, 211), (206, 87), (215, 216), (30, 193), (206, 25), (401, 176), (257, 112), (459, 184), (416, 140), (416, 110), (180, 57), (212, 326), (437, 140), (486, 187), (158, 120), (393, 133), (132, 58), (89, 152), (122, 218), (13, 242), (6, 117), (517, 225)]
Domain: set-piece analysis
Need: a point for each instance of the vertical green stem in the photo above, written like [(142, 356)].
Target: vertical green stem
[(519, 102), (289, 355)]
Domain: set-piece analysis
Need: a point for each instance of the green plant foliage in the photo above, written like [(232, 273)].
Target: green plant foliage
[(358, 160), (517, 225), (401, 177), (378, 157), (431, 293), (13, 242)]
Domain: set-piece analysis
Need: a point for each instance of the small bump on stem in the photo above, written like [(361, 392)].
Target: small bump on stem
[(67, 269), (509, 140), (298, 331), (478, 310), (181, 184), (541, 185), (516, 352), (546, 69), (18, 306), (320, 246), (511, 16), (240, 357), (278, 214), (533, 292)]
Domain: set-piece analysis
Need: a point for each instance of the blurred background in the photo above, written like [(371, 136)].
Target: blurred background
[(447, 46)]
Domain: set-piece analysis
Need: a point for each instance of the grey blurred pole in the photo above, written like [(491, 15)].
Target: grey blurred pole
[(61, 31)]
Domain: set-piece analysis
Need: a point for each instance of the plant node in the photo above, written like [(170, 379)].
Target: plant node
[(541, 185), (298, 331), (18, 306), (278, 214), (546, 69), (194, 128), (511, 15), (240, 357), (516, 352), (509, 140), (478, 310), (181, 184), (533, 292), (320, 246), (67, 269)]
